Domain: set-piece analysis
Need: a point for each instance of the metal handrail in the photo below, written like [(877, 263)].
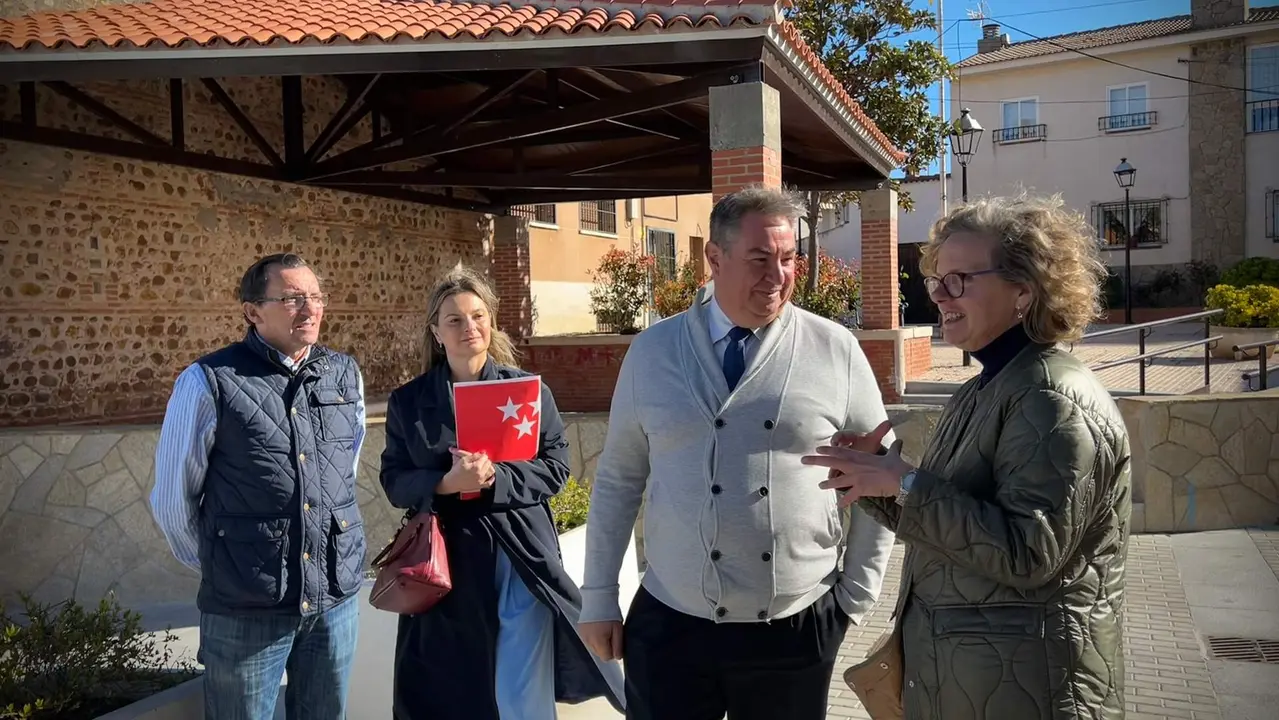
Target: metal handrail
[(1261, 359), (1154, 324), (1144, 359)]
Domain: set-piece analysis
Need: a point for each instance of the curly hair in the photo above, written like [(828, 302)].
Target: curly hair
[(1043, 245)]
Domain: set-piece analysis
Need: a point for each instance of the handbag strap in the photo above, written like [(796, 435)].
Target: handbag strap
[(395, 543)]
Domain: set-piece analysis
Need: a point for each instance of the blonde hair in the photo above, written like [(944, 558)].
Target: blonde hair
[(1041, 244), (465, 280)]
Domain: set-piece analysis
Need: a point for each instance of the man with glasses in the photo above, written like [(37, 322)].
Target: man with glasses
[(255, 491)]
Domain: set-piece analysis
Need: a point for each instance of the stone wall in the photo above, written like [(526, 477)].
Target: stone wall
[(1218, 178), (76, 519), (1205, 462), (120, 273)]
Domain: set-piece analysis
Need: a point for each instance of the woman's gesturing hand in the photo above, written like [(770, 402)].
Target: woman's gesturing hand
[(857, 469), (471, 472)]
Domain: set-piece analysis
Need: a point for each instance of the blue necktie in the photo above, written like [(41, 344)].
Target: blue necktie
[(735, 356)]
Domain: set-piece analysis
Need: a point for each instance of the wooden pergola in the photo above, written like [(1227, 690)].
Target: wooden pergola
[(486, 106)]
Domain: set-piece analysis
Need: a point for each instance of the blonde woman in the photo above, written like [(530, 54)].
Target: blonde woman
[(502, 643), (1016, 521)]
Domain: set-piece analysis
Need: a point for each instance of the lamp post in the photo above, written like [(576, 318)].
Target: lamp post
[(964, 138), (1126, 175)]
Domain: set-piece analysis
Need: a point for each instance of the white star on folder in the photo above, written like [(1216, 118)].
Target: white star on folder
[(510, 411), (525, 427), (535, 407)]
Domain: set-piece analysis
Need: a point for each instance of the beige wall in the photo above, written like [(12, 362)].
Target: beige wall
[(1262, 162), (1078, 159), (564, 255)]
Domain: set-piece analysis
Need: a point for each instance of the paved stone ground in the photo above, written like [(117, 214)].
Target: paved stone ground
[(1180, 590), (1180, 371), (1167, 673)]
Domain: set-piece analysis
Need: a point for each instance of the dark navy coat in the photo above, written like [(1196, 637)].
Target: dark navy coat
[(445, 659), (280, 528)]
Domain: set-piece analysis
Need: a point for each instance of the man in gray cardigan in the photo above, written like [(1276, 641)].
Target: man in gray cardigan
[(752, 578)]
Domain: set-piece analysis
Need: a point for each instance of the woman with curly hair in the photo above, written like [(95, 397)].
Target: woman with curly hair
[(1016, 521)]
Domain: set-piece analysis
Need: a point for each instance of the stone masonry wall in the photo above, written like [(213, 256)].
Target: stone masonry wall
[(117, 274), (1205, 462), (76, 518), (1217, 135)]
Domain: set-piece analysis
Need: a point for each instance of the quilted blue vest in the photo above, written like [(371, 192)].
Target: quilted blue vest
[(281, 531)]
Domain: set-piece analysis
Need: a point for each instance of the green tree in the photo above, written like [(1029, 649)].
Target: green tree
[(861, 43)]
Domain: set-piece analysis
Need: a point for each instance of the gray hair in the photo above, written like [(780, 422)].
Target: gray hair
[(726, 217)]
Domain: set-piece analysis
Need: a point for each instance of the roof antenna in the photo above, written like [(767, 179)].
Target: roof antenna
[(981, 13)]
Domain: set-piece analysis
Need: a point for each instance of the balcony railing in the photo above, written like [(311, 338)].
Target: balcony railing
[(1263, 115), (1021, 133), (1128, 121), (544, 214)]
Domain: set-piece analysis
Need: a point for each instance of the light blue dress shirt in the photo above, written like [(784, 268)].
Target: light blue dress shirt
[(720, 326), (182, 456)]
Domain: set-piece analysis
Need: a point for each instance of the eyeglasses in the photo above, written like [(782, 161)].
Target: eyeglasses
[(954, 283), (297, 302)]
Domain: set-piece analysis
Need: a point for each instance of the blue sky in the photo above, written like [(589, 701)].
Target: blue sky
[(1041, 18)]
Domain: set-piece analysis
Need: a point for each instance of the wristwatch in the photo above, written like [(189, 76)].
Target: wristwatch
[(908, 482)]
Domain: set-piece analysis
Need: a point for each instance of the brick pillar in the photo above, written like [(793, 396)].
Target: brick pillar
[(511, 276), (879, 260), (746, 137)]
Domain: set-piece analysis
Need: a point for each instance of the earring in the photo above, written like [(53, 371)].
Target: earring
[(1020, 313)]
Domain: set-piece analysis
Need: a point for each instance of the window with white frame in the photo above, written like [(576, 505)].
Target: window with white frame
[(1128, 99), (1021, 112), (1128, 108), (1263, 88)]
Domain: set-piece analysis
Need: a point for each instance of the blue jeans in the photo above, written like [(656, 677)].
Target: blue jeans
[(245, 658), (525, 682)]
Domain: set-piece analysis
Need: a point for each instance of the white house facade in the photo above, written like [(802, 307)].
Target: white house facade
[(1192, 102)]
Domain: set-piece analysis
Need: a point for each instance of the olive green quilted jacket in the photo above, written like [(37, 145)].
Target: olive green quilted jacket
[(1016, 533)]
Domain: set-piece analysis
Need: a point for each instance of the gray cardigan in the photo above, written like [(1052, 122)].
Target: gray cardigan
[(736, 529)]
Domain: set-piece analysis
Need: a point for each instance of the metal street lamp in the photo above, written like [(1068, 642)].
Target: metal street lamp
[(1126, 175), (964, 138)]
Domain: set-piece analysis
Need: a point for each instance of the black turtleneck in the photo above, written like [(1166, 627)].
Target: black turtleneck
[(1000, 351)]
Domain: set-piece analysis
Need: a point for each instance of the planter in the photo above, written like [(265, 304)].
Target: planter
[(181, 702), (1230, 337)]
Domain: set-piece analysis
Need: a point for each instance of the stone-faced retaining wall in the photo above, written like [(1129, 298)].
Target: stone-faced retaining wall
[(1205, 462), (76, 521), (75, 518)]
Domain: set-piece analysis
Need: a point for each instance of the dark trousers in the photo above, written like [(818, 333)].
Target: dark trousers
[(679, 667)]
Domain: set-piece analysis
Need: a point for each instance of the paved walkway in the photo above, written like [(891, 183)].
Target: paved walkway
[(1178, 372), (1181, 591)]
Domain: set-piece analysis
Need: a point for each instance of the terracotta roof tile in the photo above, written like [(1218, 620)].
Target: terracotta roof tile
[(1102, 37), (236, 23)]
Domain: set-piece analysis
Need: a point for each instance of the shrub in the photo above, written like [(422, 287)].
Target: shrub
[(1253, 271), (672, 297), (72, 663), (839, 287), (1254, 306), (621, 289), (570, 505)]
